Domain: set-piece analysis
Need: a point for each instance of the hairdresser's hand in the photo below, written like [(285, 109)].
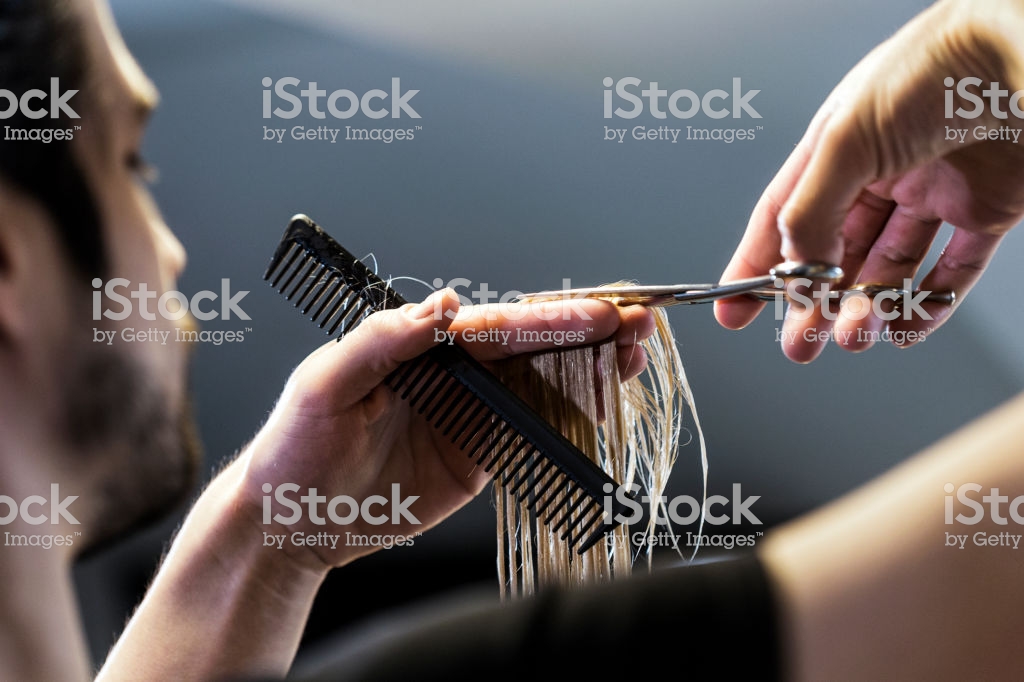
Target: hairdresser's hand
[(338, 429), (878, 172), (234, 605)]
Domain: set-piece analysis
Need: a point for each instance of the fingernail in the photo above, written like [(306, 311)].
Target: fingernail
[(785, 243), (786, 248), (429, 307)]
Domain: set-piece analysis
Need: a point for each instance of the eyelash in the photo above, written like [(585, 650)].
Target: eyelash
[(142, 169)]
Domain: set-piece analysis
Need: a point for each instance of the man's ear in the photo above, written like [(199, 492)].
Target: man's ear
[(9, 299), (27, 247)]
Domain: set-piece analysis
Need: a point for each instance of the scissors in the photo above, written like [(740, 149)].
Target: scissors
[(765, 288)]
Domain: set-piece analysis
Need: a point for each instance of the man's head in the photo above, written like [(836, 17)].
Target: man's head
[(109, 423)]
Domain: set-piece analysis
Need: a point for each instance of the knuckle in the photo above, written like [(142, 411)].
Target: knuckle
[(899, 255), (856, 250), (962, 266)]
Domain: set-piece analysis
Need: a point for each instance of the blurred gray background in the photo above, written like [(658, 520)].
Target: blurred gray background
[(510, 183)]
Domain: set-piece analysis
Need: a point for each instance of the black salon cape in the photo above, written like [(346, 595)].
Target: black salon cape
[(711, 621)]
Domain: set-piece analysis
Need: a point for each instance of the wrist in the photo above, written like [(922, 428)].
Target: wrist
[(231, 606), (238, 503)]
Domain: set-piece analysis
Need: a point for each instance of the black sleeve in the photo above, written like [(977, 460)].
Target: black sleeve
[(716, 620)]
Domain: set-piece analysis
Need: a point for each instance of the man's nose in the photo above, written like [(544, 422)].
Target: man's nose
[(172, 251)]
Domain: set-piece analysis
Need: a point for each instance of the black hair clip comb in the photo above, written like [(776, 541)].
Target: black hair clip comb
[(456, 394)]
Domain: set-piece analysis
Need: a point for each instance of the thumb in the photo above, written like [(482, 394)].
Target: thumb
[(841, 166), (353, 367)]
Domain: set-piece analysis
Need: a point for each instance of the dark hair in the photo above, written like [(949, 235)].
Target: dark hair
[(39, 40)]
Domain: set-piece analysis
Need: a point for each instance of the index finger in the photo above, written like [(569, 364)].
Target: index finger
[(496, 331), (760, 249)]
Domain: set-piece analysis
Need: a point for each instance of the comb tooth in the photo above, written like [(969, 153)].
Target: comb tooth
[(339, 291), (490, 442), (469, 412), (538, 475), (450, 397), (564, 511), (287, 261), (357, 316), (574, 506), (398, 377), (424, 369), (523, 452), (432, 379), (514, 470), (581, 508), (314, 281), (484, 425), (286, 272), (389, 380), (276, 262), (565, 502), (559, 520), (583, 511), (306, 267), (479, 428), (406, 369), (303, 262), (410, 369), (596, 524), (328, 285), (343, 308), (370, 309), (510, 444), (606, 525), (538, 493), (476, 426), (559, 478), (484, 438), (594, 538), (339, 312), (346, 295), (554, 489), (509, 452), (527, 475), (463, 401), (511, 481), (354, 301), (569, 536), (445, 381), (574, 537)]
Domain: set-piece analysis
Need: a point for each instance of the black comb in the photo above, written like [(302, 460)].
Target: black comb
[(471, 407)]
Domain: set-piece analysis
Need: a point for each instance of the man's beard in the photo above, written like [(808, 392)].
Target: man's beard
[(144, 449)]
